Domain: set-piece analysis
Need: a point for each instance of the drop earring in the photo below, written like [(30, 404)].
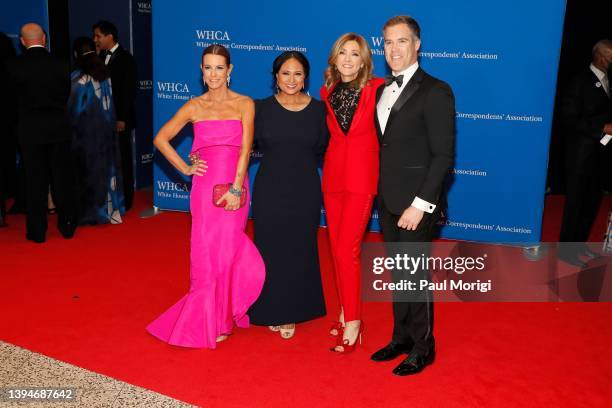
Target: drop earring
[(228, 81)]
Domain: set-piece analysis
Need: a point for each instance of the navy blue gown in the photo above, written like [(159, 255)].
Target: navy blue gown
[(286, 209), (95, 150)]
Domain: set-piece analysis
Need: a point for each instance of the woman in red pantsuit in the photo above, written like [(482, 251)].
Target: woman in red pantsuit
[(350, 172)]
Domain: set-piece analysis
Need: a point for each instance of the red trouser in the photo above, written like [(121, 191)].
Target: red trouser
[(347, 217)]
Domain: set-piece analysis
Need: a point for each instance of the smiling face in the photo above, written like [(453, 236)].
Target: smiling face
[(349, 61), (215, 71), (401, 47), (290, 77)]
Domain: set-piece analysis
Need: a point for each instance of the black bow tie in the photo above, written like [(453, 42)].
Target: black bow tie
[(389, 79)]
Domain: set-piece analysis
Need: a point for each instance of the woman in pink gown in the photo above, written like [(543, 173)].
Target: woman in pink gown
[(227, 271)]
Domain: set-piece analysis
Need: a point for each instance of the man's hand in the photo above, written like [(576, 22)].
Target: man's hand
[(120, 126), (410, 219), (608, 128)]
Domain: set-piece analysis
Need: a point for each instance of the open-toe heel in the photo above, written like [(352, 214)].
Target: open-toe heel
[(345, 343), (287, 333), (336, 329)]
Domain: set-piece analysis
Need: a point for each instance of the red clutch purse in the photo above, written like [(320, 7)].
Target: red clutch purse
[(220, 189)]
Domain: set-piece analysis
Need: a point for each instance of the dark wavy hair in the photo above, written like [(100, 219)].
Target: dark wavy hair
[(86, 59), (286, 56), (106, 28)]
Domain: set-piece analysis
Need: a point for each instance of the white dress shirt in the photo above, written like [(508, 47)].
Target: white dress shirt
[(383, 109), (108, 56), (603, 78), (390, 95)]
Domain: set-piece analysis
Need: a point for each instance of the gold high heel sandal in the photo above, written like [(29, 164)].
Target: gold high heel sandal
[(287, 332)]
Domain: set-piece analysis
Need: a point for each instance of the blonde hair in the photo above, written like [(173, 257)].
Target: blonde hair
[(332, 75)]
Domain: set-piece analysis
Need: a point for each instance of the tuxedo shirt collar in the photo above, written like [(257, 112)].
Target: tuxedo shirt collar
[(389, 95), (408, 73)]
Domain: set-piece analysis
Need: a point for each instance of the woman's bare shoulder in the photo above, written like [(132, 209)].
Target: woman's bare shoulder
[(243, 102)]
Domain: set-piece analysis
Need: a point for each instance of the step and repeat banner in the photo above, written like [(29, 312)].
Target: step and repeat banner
[(140, 13), (501, 62)]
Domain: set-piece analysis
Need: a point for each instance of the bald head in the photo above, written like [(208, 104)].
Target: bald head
[(602, 54), (32, 34)]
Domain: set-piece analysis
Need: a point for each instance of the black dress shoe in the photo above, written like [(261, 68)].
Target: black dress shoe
[(3, 215), (35, 238), (391, 351), (414, 364), (67, 230)]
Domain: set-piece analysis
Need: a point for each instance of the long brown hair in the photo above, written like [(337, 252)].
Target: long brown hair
[(332, 75)]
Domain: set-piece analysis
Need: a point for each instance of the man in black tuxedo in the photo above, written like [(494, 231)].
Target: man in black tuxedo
[(124, 82), (586, 112), (40, 83), (416, 128)]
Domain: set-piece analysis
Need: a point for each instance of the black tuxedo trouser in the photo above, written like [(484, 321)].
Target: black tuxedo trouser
[(583, 196), (413, 320), (49, 164), (127, 166), (8, 165)]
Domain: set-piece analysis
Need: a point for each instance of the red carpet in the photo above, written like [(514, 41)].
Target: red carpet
[(87, 301)]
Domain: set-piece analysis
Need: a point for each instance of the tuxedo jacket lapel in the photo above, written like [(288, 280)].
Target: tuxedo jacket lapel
[(358, 111), (601, 88), (409, 90), (379, 92), (114, 55)]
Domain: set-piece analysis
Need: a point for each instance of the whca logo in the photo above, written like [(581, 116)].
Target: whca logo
[(213, 35), (180, 87)]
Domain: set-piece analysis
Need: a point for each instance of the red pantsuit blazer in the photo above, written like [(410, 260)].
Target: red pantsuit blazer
[(351, 160)]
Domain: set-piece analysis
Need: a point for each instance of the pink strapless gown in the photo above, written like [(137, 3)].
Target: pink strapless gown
[(227, 271)]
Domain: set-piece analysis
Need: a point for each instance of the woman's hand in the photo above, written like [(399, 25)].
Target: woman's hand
[(195, 158), (198, 168), (232, 202)]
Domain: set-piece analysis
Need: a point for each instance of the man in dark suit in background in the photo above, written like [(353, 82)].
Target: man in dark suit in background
[(586, 113), (40, 83), (124, 82), (416, 128)]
